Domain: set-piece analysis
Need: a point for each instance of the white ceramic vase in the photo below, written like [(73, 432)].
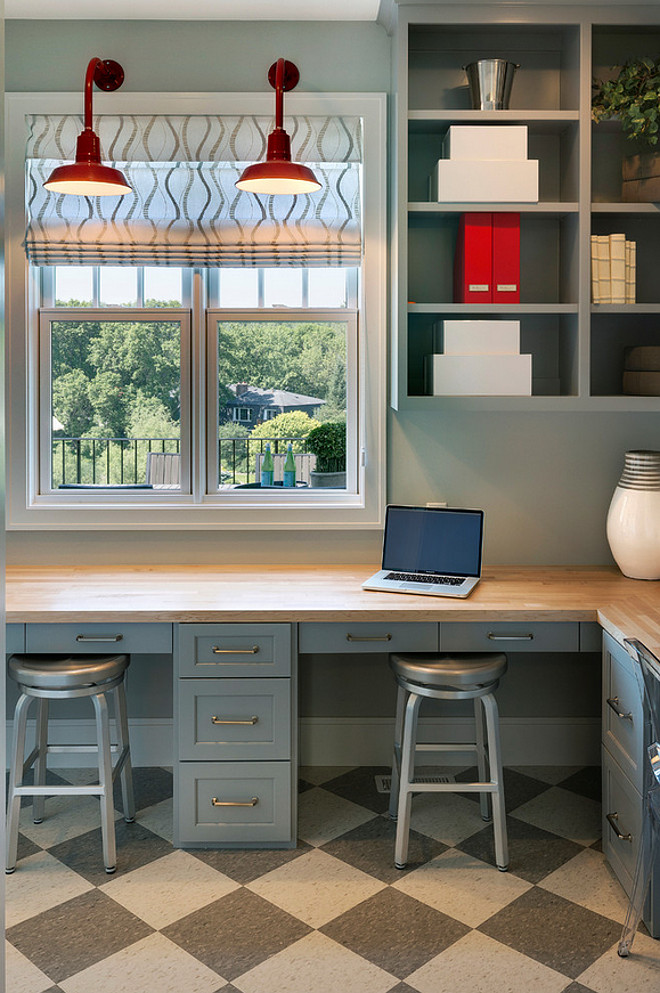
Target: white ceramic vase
[(633, 520)]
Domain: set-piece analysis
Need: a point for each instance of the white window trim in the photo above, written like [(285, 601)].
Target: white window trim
[(27, 509)]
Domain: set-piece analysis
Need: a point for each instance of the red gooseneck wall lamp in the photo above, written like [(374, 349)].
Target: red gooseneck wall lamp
[(278, 174), (87, 176)]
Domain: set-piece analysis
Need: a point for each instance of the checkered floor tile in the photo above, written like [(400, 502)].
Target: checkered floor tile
[(333, 916)]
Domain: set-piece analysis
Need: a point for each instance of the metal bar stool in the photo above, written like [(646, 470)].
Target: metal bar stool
[(448, 677), (65, 677)]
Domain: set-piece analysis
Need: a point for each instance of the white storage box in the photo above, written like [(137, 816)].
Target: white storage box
[(477, 337), (479, 375), (491, 141), (498, 181)]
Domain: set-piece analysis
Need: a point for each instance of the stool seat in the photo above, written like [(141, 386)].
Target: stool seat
[(65, 672), (459, 670)]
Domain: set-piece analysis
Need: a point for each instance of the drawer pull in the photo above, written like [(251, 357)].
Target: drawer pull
[(235, 651), (227, 720), (492, 636), (91, 639), (368, 637), (613, 702), (234, 803), (613, 821)]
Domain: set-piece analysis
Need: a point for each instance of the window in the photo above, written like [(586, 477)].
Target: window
[(131, 363)]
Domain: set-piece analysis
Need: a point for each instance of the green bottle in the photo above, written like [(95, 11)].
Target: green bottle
[(289, 467), (267, 467)]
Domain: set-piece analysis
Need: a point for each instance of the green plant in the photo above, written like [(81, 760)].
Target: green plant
[(328, 443), (633, 95)]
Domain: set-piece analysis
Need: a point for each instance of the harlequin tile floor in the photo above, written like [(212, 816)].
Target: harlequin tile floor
[(333, 916)]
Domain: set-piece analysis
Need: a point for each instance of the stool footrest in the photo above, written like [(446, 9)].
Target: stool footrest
[(93, 790)]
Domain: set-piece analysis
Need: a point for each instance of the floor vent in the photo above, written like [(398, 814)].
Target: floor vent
[(384, 783)]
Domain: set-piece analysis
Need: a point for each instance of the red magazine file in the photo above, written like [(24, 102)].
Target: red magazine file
[(506, 258), (473, 259)]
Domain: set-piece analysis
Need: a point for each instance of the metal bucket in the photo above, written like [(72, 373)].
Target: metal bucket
[(490, 83)]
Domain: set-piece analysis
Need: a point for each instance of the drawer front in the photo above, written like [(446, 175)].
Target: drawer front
[(229, 719), (15, 638), (517, 636), (622, 821), (234, 650), (623, 711), (141, 639), (368, 637), (235, 802)]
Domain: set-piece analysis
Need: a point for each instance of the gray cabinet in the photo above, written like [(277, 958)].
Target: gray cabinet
[(577, 347), (235, 727), (625, 772)]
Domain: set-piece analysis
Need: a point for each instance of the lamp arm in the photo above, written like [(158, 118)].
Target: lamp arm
[(89, 86), (279, 94)]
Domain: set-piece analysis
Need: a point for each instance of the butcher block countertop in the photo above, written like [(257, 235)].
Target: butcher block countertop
[(249, 593)]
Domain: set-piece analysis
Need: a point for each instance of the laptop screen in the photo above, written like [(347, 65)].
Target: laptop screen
[(430, 539)]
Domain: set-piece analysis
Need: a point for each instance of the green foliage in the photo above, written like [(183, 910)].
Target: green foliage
[(632, 95), (328, 443), (71, 403), (301, 356), (293, 424), (150, 418)]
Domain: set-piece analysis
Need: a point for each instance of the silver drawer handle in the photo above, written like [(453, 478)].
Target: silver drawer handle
[(613, 821), (225, 720), (87, 639), (235, 651), (510, 637), (372, 637), (234, 803), (613, 702)]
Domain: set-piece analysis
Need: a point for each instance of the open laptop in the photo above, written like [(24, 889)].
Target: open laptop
[(432, 550)]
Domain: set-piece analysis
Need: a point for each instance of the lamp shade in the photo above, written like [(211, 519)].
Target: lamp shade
[(87, 176), (278, 174)]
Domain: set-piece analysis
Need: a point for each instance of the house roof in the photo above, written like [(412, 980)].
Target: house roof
[(254, 396)]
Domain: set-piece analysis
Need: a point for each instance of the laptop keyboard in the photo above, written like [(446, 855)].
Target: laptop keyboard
[(412, 577)]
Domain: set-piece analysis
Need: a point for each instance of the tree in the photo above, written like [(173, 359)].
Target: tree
[(149, 418), (293, 424), (71, 403)]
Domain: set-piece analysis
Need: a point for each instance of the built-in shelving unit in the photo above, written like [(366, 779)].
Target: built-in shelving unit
[(577, 347)]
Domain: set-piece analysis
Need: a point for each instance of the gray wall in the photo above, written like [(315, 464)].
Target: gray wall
[(544, 479)]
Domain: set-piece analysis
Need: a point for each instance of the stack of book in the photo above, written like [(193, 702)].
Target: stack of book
[(641, 371), (485, 164), (613, 268), (478, 358), (487, 258)]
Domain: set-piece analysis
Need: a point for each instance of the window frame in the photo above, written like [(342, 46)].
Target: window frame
[(28, 508)]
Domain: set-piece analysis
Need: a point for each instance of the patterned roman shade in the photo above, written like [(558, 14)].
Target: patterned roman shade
[(184, 208)]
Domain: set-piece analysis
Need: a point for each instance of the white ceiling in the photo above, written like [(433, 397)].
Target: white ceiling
[(201, 10)]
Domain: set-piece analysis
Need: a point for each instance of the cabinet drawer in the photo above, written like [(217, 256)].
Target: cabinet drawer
[(235, 803), (368, 637), (141, 639), (502, 636), (231, 719), (622, 804), (234, 650), (623, 711), (15, 638)]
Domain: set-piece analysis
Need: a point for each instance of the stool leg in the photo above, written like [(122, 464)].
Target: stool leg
[(39, 802), (123, 741), (105, 781), (482, 764), (16, 778), (396, 757), (496, 777), (406, 779)]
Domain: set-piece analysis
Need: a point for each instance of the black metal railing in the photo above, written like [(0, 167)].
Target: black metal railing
[(123, 461), (105, 461)]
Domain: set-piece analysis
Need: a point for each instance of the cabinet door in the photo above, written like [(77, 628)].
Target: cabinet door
[(234, 650), (622, 821), (623, 711), (235, 803), (232, 719)]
